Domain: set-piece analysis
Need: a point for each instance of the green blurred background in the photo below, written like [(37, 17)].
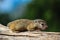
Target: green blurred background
[(48, 10)]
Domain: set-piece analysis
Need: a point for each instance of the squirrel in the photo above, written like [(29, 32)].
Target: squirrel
[(27, 25)]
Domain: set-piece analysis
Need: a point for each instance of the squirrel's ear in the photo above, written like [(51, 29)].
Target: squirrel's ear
[(35, 21)]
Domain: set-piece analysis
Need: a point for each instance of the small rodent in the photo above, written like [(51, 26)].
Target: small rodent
[(27, 25)]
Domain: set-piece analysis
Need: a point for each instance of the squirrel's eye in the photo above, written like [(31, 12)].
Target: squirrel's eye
[(42, 24)]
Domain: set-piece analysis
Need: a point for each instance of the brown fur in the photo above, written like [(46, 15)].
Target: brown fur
[(22, 25)]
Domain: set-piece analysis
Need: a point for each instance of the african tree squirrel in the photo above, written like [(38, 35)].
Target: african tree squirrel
[(26, 24)]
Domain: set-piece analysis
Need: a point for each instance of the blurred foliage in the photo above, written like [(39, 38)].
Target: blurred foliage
[(4, 19), (48, 10)]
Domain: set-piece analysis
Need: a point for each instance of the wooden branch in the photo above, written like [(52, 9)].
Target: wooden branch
[(6, 34), (31, 36)]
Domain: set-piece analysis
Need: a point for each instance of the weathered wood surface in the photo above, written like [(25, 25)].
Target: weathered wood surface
[(31, 36), (6, 34)]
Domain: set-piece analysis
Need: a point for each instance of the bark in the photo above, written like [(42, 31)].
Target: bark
[(34, 35)]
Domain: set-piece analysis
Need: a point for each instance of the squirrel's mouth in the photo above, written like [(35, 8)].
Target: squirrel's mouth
[(44, 28)]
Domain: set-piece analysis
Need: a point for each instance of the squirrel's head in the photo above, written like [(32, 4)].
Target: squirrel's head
[(40, 24)]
